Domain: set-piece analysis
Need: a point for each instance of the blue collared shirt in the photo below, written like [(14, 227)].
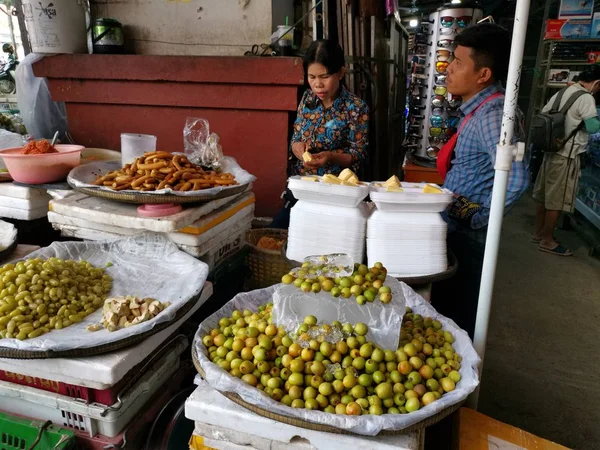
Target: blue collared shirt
[(472, 171)]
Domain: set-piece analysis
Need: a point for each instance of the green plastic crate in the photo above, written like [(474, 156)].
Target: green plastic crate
[(17, 433)]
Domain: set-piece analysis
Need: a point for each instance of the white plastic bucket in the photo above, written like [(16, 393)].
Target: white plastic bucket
[(135, 145), (56, 26)]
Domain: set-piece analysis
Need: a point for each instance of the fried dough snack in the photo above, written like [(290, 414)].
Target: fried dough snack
[(269, 243), (162, 170), (38, 148)]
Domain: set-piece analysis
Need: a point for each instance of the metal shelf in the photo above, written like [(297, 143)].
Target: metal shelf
[(554, 85), (571, 41), (567, 62), (588, 213)]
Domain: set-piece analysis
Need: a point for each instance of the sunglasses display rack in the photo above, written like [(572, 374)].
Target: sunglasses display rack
[(417, 86), (439, 109)]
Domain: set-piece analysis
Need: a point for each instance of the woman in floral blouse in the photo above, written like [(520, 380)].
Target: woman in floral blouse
[(332, 123)]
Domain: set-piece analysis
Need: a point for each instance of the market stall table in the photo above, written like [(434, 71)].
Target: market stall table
[(225, 425), (103, 371)]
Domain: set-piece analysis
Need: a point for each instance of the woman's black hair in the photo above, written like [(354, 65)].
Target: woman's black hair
[(590, 74), (325, 52)]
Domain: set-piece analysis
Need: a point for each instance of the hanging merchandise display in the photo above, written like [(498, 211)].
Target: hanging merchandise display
[(417, 87), (433, 114)]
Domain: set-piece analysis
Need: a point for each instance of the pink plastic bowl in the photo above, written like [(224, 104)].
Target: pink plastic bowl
[(40, 169)]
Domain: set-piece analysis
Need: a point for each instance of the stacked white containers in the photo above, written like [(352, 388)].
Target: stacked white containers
[(328, 218), (406, 232)]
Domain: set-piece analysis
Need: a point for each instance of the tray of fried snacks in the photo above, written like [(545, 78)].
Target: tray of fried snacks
[(160, 177)]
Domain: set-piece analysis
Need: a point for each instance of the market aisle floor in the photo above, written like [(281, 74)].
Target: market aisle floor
[(543, 359)]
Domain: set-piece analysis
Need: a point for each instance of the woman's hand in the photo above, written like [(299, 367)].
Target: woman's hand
[(318, 160), (298, 149)]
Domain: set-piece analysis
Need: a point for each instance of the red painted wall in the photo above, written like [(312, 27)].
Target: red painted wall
[(248, 102)]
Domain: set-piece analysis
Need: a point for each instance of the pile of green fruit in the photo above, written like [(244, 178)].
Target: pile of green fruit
[(349, 376), (38, 296), (365, 284)]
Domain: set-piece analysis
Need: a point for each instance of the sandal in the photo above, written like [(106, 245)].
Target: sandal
[(559, 250), (535, 240)]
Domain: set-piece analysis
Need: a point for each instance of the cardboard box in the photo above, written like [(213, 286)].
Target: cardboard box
[(573, 76), (480, 432), (558, 76), (575, 9), (568, 29)]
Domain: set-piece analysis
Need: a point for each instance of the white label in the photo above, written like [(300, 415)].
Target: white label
[(495, 443)]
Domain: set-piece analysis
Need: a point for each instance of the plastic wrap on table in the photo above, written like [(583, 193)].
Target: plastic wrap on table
[(145, 265), (366, 424), (291, 306)]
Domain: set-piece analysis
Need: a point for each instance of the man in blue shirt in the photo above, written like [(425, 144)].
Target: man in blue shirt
[(479, 67)]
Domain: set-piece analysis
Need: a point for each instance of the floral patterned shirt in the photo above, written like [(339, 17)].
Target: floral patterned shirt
[(341, 128)]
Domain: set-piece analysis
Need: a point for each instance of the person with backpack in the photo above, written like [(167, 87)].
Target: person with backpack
[(466, 162), (562, 132)]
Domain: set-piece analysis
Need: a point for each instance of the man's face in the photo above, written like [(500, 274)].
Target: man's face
[(464, 78)]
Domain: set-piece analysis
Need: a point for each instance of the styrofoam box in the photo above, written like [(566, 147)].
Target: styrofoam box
[(25, 203), (98, 210), (197, 234), (23, 214), (330, 194), (223, 248), (232, 424), (102, 371), (70, 413), (16, 191), (411, 199)]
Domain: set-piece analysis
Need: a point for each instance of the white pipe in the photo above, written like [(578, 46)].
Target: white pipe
[(504, 158)]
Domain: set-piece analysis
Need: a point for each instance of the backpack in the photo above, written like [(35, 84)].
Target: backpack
[(547, 130)]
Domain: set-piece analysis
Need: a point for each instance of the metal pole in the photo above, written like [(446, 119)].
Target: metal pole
[(22, 28), (504, 158), (12, 30)]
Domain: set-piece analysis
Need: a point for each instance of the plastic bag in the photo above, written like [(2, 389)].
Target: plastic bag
[(291, 306), (11, 140), (369, 425), (41, 115), (145, 265), (332, 266), (200, 146)]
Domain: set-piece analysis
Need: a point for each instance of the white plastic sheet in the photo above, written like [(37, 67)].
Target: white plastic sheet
[(291, 306), (8, 234), (85, 175), (42, 116), (367, 424), (146, 265)]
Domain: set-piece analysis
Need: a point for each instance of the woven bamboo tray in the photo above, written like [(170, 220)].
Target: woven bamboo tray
[(266, 267), (12, 353), (141, 198), (293, 421)]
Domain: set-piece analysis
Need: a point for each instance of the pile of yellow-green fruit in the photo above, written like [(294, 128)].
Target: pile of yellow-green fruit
[(37, 296), (365, 284), (332, 367)]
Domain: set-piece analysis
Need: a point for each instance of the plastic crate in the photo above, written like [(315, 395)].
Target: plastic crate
[(135, 434), (18, 433), (107, 396), (89, 395), (92, 418)]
